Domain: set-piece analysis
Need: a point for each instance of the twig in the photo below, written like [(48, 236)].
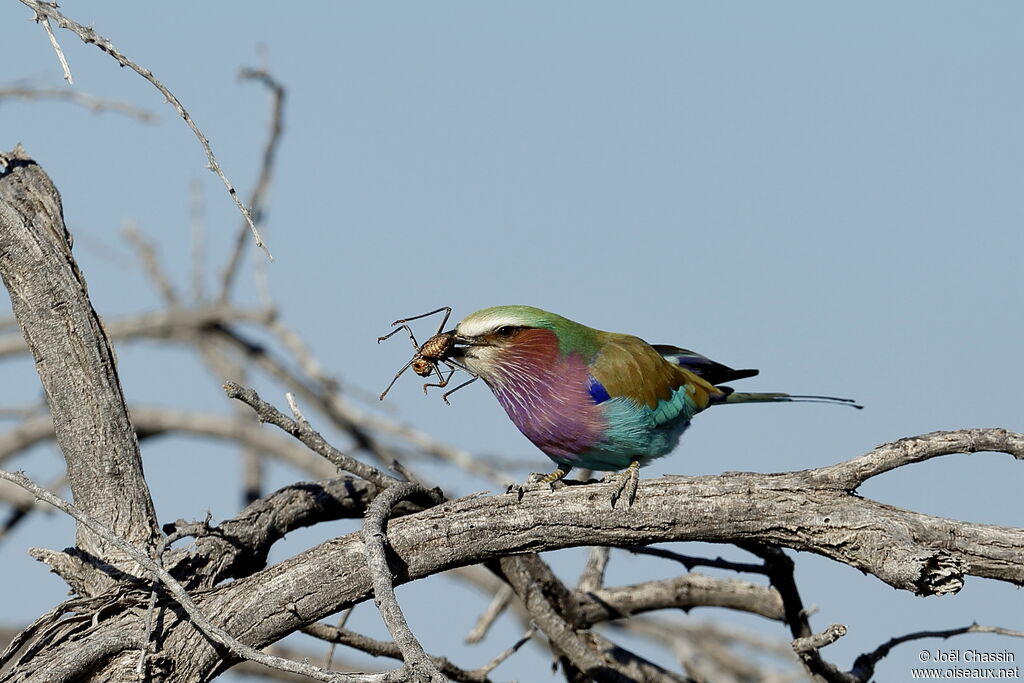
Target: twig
[(690, 561), (296, 411), (706, 650), (151, 263), (89, 36), (240, 546), (547, 601), (24, 503), (327, 402), (45, 21), (864, 666), (498, 604), (806, 644), (584, 655), (374, 538), (383, 648), (150, 422), (147, 639), (814, 642), (494, 663), (312, 439), (21, 412), (342, 620), (182, 324), (887, 457), (197, 214), (258, 196), (681, 592), (96, 104), (199, 619), (592, 577)]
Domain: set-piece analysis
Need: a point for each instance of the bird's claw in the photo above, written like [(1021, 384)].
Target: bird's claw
[(518, 489), (628, 481), (553, 480), (539, 479)]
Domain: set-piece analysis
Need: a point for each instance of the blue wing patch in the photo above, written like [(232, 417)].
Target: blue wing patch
[(597, 390)]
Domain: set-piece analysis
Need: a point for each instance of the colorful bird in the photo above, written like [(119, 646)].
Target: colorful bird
[(593, 399)]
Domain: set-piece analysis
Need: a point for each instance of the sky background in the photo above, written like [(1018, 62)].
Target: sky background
[(828, 192)]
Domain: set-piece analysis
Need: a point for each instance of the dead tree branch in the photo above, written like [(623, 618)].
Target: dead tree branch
[(196, 616), (418, 664), (73, 358), (91, 102), (45, 11), (257, 199), (864, 666), (311, 438)]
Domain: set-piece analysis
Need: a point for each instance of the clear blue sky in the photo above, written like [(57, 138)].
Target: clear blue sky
[(829, 192)]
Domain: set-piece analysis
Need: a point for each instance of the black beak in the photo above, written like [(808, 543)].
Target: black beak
[(459, 350)]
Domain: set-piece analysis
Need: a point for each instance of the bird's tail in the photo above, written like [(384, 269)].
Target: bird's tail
[(742, 397)]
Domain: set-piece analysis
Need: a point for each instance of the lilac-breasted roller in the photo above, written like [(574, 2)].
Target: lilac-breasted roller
[(593, 399)]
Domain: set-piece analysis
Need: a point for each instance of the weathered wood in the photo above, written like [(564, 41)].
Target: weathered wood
[(74, 360)]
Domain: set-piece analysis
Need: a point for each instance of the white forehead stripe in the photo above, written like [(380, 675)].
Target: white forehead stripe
[(475, 325)]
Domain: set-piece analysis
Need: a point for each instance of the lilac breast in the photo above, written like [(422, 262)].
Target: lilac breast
[(552, 406)]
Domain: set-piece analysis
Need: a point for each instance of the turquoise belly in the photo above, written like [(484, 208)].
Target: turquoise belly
[(637, 432)]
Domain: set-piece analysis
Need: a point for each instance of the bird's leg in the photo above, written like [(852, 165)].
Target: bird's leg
[(629, 479), (538, 478), (557, 475)]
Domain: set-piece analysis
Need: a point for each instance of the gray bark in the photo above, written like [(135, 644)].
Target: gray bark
[(74, 360)]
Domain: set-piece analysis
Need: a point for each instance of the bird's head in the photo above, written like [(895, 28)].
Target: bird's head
[(503, 341)]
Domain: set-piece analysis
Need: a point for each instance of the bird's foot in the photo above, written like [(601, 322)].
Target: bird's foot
[(628, 479), (553, 480)]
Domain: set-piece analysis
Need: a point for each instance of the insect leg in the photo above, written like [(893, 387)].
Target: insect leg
[(408, 329), (395, 379), (444, 321), (444, 380), (449, 393), (447, 309)]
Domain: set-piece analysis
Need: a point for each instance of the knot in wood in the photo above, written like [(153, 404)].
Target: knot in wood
[(941, 574)]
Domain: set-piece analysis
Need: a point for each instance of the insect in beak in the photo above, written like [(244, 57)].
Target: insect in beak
[(440, 349)]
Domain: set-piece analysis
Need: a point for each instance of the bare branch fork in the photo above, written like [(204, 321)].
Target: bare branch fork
[(45, 11)]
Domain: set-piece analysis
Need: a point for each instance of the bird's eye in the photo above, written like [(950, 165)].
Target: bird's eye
[(505, 331)]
